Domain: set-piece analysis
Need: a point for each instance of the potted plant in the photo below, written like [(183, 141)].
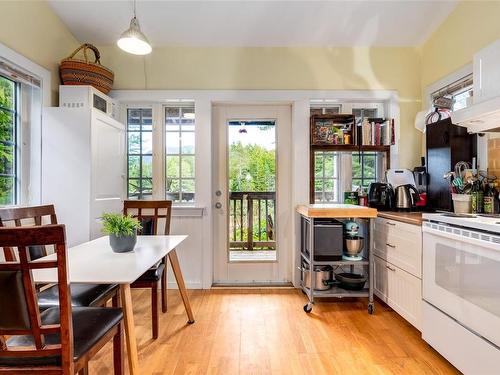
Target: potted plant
[(122, 231)]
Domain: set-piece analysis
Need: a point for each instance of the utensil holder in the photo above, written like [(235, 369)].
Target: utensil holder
[(462, 203)]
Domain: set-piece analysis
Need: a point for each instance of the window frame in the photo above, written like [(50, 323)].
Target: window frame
[(159, 144), (337, 156), (179, 105), (16, 167), (140, 154)]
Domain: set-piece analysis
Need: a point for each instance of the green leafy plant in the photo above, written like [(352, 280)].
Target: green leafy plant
[(119, 225)]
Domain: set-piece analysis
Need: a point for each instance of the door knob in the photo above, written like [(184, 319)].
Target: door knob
[(218, 205), (218, 193)]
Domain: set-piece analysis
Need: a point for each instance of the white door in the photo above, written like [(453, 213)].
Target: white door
[(252, 199), (108, 169)]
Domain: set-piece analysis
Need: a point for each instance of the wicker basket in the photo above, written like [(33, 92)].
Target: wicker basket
[(83, 72)]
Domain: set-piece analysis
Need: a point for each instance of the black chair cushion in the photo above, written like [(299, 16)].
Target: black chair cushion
[(154, 273), (90, 324), (36, 252), (147, 226), (81, 295)]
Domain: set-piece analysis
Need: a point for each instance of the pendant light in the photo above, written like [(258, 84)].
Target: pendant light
[(133, 40)]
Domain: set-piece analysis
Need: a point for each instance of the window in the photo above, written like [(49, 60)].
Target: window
[(326, 177), (336, 171), (140, 153), (456, 92), (364, 169), (180, 153), (322, 107), (9, 121), (365, 165)]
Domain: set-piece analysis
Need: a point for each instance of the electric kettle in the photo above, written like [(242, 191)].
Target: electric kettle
[(407, 197)]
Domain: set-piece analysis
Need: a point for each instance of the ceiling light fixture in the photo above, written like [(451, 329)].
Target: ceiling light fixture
[(133, 40)]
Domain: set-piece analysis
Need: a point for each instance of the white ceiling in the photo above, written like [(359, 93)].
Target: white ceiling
[(258, 23)]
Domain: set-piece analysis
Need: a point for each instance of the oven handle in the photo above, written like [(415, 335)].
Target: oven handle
[(456, 237)]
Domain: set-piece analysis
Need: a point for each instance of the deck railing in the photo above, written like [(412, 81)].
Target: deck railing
[(251, 220)]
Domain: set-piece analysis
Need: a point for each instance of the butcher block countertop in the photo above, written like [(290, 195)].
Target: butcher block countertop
[(414, 218), (336, 211)]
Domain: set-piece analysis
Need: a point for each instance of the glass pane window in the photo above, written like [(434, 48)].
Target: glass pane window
[(9, 120), (140, 153), (326, 182), (364, 169), (180, 153), (460, 99)]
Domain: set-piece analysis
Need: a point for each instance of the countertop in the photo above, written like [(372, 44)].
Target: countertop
[(336, 211), (414, 218)]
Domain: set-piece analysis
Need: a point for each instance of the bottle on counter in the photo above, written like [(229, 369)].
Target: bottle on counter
[(489, 200), (477, 197), (496, 203), (474, 195), (362, 197)]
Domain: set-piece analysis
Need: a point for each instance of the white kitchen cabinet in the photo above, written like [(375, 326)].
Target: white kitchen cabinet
[(486, 73), (398, 267), (400, 290), (400, 244), (381, 283), (83, 168)]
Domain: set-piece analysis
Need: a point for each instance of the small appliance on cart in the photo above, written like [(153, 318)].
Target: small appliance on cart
[(336, 252)]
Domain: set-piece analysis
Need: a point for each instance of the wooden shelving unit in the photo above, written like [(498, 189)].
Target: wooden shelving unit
[(354, 146)]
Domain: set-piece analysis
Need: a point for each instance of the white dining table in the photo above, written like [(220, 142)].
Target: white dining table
[(95, 263)]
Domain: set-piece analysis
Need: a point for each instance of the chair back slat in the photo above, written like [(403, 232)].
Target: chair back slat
[(18, 216), (22, 298), (153, 215)]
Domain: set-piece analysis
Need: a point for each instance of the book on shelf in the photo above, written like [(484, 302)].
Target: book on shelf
[(377, 132)]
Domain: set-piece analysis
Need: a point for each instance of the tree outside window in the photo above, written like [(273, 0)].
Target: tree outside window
[(8, 144)]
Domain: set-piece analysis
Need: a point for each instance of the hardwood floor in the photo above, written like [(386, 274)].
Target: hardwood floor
[(267, 332)]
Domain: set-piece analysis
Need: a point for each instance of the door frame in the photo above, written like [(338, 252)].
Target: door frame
[(300, 100), (268, 272)]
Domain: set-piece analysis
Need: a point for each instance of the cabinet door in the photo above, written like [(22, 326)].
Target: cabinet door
[(486, 73), (108, 169), (380, 277), (404, 293)]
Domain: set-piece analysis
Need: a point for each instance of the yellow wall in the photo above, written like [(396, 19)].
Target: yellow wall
[(280, 68), (32, 29), (471, 26)]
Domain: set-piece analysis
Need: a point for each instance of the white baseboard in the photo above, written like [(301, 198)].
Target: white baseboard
[(189, 285)]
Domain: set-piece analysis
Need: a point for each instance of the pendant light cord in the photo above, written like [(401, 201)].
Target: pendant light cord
[(135, 16)]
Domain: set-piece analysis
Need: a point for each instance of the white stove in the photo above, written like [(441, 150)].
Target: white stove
[(461, 289), (488, 223)]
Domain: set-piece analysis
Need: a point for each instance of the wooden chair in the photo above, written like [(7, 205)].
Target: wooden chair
[(81, 294), (151, 214), (59, 340)]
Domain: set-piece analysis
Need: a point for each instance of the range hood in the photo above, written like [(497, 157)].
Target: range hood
[(483, 117)]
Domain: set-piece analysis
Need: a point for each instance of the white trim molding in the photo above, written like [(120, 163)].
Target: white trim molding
[(300, 102), (31, 67)]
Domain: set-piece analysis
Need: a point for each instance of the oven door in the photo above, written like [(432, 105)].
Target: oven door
[(461, 277)]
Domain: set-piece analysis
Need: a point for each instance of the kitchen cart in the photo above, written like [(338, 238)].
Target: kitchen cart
[(311, 213)]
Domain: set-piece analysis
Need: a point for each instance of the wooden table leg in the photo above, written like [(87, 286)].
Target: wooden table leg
[(174, 261), (128, 317)]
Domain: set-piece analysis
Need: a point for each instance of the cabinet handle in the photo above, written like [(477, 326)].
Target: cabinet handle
[(391, 269), (389, 223), (393, 246)]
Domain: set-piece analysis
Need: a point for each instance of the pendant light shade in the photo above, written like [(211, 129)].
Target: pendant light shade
[(133, 40)]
